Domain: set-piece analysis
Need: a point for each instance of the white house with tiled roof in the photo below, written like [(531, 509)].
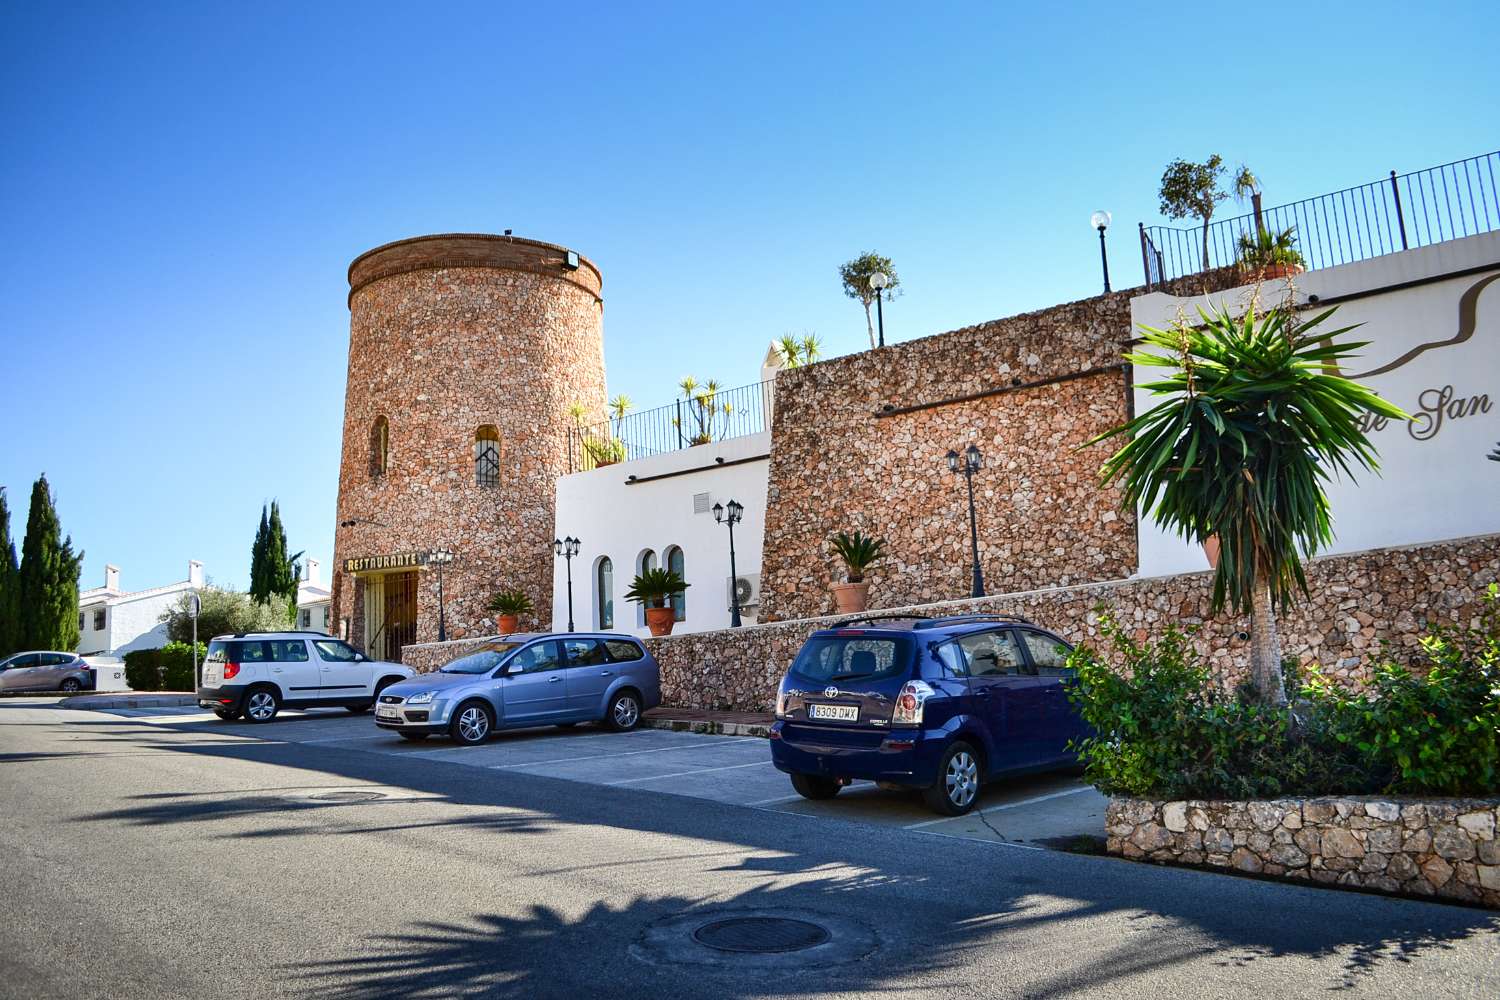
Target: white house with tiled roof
[(113, 622), (313, 599)]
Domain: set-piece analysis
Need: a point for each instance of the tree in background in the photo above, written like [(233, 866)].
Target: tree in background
[(10, 586), (273, 574), (224, 612), (795, 351), (259, 575), (856, 278), (48, 578), (1191, 191)]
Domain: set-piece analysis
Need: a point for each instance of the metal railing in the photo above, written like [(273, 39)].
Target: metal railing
[(1397, 213), (706, 417)]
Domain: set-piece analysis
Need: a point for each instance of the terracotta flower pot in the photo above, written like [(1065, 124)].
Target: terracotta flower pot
[(1273, 271), (850, 597), (508, 624), (1211, 549), (660, 620)]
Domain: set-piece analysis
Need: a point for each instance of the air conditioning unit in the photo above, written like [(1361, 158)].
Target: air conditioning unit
[(748, 586)]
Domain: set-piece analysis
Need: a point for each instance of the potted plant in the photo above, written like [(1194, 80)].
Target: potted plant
[(859, 551), (654, 588), (703, 409), (604, 451), (1271, 254), (509, 606)]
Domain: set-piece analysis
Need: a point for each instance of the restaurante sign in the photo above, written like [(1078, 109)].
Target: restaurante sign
[(399, 560)]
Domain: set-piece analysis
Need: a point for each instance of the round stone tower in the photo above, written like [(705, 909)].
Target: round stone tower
[(466, 354)]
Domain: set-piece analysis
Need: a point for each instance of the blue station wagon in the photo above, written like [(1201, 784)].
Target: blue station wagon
[(523, 680), (939, 704)]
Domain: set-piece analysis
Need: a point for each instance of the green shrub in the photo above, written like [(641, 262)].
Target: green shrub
[(177, 666), (143, 669)]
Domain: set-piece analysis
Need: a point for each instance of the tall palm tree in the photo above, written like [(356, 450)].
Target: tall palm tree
[(1254, 421)]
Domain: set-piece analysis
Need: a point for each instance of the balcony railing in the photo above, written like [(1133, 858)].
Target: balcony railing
[(707, 417), (1397, 213)]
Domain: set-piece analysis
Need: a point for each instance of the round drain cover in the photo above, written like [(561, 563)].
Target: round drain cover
[(760, 935), (349, 796)]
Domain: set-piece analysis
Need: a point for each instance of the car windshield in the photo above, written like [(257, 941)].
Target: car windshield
[(482, 662), (840, 658)]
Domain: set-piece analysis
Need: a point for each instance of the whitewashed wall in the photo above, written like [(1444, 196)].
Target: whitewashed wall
[(1435, 482), (619, 519)]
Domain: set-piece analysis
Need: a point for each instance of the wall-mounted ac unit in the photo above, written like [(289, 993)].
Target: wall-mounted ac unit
[(748, 585)]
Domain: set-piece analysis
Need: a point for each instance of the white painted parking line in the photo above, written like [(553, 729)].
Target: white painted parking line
[(775, 802), (1004, 805), (627, 753), (683, 774)]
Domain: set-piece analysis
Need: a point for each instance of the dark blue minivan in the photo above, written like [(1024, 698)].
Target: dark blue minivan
[(939, 704)]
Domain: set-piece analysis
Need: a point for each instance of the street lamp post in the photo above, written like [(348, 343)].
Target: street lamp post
[(878, 281), (440, 558), (1100, 221), (736, 513), (968, 467), (567, 548)]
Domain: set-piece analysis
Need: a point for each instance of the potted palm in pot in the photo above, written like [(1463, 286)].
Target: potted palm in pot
[(859, 551), (508, 607), (654, 588), (1268, 254)]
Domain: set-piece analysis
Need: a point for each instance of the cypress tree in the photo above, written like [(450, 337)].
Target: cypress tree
[(48, 578), (281, 571), (260, 589), (10, 585)]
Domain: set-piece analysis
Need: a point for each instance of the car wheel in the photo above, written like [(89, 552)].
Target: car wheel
[(957, 784), (471, 723), (261, 705), (227, 714), (813, 786), (414, 737), (71, 686), (624, 712)]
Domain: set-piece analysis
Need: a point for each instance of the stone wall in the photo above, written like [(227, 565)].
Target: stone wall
[(859, 442), (448, 334), (1427, 847), (1359, 601)]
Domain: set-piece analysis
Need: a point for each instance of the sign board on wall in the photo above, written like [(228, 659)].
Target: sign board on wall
[(398, 560), (1432, 317)]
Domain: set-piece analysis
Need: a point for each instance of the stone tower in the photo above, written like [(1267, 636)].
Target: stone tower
[(466, 353)]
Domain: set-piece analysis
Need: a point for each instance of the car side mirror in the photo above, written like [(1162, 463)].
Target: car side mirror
[(359, 657)]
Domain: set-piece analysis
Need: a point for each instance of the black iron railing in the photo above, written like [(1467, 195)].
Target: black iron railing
[(1397, 213), (704, 417)]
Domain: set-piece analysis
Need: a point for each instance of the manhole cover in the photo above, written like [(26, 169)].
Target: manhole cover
[(760, 935), (349, 796)]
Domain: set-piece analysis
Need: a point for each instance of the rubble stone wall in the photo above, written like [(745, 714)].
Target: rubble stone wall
[(1416, 847)]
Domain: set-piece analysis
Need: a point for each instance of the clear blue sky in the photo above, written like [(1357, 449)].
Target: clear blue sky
[(182, 188)]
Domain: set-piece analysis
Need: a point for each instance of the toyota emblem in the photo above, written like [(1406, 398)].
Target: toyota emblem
[(830, 692)]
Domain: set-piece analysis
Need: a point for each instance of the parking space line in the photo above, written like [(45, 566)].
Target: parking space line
[(774, 802), (1004, 805), (683, 774), (627, 753)]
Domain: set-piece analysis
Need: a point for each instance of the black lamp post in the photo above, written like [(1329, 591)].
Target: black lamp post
[(878, 281), (440, 558), (1100, 221), (968, 467), (735, 515), (567, 548)]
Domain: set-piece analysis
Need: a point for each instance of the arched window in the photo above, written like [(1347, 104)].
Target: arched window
[(604, 593), (674, 564), (380, 447), (645, 561), (487, 456)]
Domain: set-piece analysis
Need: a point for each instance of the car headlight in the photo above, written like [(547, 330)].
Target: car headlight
[(421, 698)]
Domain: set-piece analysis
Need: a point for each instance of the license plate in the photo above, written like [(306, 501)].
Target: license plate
[(836, 713), (387, 712)]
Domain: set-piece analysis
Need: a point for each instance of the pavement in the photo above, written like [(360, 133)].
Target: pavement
[(156, 853)]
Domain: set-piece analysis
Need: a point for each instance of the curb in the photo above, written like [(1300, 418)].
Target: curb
[(90, 702), (712, 728)]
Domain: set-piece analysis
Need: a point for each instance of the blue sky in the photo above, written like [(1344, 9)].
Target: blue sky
[(183, 187)]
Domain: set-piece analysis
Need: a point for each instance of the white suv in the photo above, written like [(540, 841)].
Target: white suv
[(256, 674)]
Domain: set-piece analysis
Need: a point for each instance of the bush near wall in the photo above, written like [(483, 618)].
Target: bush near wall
[(169, 668)]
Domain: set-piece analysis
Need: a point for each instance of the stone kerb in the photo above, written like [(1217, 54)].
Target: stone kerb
[(1415, 847)]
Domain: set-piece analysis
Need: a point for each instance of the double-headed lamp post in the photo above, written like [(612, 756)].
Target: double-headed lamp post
[(440, 558), (968, 466), (568, 548), (735, 514), (1100, 221), (878, 281)]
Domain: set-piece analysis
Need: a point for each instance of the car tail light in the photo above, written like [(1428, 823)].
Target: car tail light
[(231, 670), (780, 703), (909, 702)]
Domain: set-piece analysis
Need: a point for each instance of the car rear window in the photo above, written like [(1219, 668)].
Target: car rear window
[(837, 658), (236, 651)]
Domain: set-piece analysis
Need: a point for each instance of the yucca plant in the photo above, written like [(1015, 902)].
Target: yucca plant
[(859, 552), (653, 587), (510, 602), (604, 451), (1253, 423)]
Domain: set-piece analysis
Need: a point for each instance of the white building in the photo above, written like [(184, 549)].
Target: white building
[(313, 599), (113, 622)]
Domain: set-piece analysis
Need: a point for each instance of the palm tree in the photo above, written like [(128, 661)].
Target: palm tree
[(1255, 420)]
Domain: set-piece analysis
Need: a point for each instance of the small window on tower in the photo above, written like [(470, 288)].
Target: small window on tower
[(487, 456), (380, 447)]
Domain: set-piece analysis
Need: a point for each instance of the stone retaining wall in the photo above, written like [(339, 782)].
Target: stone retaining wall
[(1416, 847), (1358, 601)]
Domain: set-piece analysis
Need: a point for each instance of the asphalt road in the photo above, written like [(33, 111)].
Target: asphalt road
[(150, 858)]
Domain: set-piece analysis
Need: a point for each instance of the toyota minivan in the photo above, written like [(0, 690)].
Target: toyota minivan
[(939, 704)]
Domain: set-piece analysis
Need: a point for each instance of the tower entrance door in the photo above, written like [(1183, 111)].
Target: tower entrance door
[(390, 614)]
